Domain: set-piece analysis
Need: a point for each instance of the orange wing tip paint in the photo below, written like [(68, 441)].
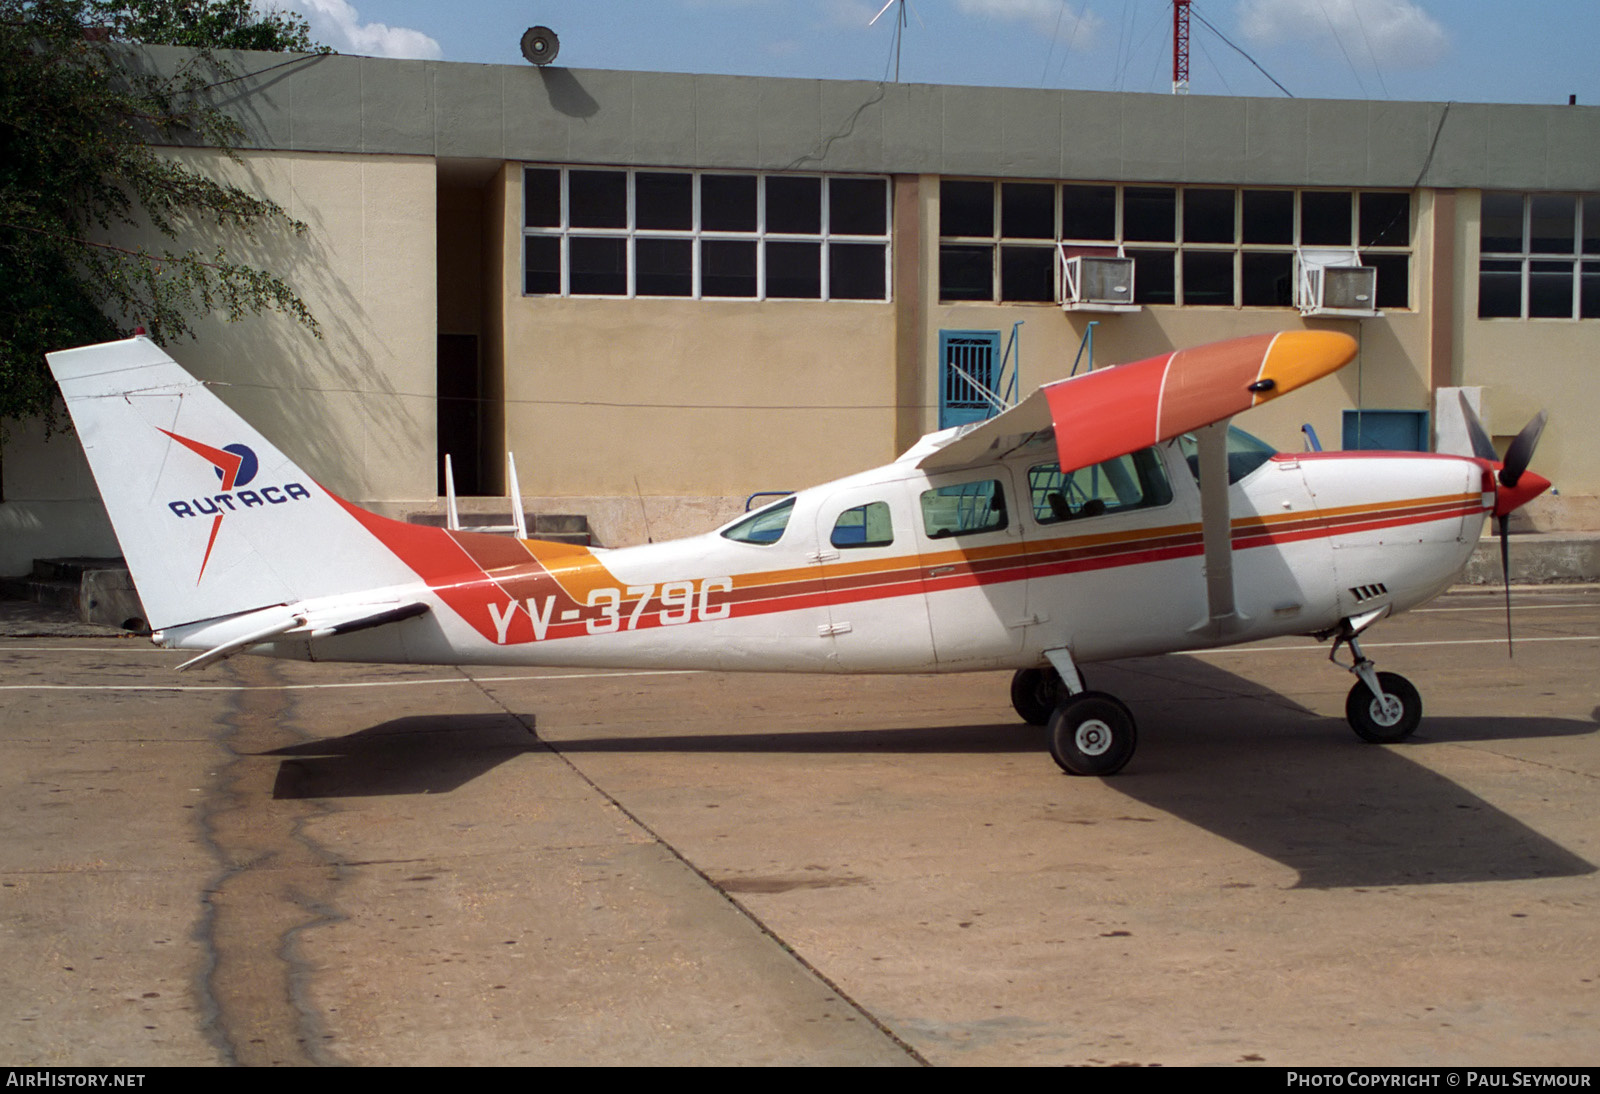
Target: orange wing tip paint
[(1296, 358)]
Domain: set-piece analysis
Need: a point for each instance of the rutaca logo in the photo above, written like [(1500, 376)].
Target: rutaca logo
[(236, 466)]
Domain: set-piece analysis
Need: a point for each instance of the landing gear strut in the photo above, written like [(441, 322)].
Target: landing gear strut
[(1382, 707)]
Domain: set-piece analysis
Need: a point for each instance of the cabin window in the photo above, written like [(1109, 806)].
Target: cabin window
[(763, 526), (864, 526), (620, 233), (964, 509), (1134, 481), (1000, 242), (1539, 256)]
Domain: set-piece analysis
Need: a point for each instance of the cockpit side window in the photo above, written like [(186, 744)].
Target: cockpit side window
[(762, 527), (1134, 481)]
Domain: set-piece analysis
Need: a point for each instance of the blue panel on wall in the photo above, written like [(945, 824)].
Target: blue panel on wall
[(1386, 430)]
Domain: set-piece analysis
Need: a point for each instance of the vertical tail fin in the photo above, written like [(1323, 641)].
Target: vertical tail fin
[(213, 519)]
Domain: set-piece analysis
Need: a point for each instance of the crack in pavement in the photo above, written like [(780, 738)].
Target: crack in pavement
[(273, 884)]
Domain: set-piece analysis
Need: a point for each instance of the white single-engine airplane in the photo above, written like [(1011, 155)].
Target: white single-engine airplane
[(1114, 514)]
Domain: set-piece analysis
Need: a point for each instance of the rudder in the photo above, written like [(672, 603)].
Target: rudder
[(213, 519)]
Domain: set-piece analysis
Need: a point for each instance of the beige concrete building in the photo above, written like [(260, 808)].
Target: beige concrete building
[(666, 292)]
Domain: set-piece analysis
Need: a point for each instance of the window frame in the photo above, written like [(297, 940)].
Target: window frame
[(1530, 263), (826, 240), (1143, 251)]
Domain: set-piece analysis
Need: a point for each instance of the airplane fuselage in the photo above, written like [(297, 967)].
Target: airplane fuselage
[(899, 570)]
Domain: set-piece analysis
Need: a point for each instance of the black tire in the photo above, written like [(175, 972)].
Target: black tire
[(1368, 718), (1035, 694), (1092, 733)]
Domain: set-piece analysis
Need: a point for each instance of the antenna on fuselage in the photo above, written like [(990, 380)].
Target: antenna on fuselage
[(452, 519), (519, 523), (452, 515)]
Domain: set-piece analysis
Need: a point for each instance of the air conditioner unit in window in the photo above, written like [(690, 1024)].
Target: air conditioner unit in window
[(1097, 283), (1337, 284)]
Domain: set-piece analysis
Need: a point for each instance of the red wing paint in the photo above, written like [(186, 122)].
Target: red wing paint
[(1114, 411)]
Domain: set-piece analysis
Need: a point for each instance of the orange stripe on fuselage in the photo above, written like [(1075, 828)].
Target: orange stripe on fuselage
[(471, 571)]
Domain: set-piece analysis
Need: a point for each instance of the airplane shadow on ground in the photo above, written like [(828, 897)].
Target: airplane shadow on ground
[(1217, 750), (420, 754), (1250, 765)]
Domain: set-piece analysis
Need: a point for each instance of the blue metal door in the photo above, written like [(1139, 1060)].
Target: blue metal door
[(1386, 430), (969, 369)]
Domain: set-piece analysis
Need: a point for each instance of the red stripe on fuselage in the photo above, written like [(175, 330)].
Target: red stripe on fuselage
[(453, 565)]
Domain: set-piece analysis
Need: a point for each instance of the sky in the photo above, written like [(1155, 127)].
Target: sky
[(1516, 51)]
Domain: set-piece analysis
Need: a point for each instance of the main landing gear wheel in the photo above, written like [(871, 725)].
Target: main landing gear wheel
[(1035, 694), (1091, 733), (1393, 718)]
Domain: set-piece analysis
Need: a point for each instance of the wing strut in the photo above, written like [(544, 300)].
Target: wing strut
[(1216, 528)]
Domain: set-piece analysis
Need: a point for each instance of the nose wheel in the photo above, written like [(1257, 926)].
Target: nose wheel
[(1382, 707), (1384, 720)]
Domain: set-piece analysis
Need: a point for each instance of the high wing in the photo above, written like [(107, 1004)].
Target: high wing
[(1113, 411), (1108, 413)]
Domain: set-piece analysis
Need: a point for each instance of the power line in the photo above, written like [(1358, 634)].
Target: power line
[(1335, 32), (1207, 24)]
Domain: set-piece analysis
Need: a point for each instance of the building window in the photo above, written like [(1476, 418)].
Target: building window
[(591, 231), (1191, 245), (1539, 256)]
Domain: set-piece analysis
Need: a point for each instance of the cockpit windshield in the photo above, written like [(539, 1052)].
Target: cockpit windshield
[(1246, 452)]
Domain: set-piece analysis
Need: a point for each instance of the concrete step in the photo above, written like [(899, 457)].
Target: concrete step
[(61, 594), (95, 590), (1537, 558), (71, 569)]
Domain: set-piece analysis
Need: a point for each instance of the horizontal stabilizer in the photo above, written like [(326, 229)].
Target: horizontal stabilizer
[(300, 622)]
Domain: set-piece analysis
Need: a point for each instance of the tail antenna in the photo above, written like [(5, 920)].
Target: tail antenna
[(518, 520), (452, 519)]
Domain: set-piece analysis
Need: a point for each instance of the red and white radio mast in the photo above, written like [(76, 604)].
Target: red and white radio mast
[(1180, 47)]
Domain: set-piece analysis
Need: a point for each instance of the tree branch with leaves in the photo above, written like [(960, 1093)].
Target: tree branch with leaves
[(82, 129)]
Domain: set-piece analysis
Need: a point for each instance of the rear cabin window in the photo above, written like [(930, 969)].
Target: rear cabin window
[(864, 526), (762, 527), (964, 509), (1134, 481)]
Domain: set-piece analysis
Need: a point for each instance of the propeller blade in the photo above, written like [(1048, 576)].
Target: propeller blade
[(1504, 524), (1521, 450), (1482, 446)]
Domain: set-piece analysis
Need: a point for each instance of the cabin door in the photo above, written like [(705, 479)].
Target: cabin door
[(867, 555)]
